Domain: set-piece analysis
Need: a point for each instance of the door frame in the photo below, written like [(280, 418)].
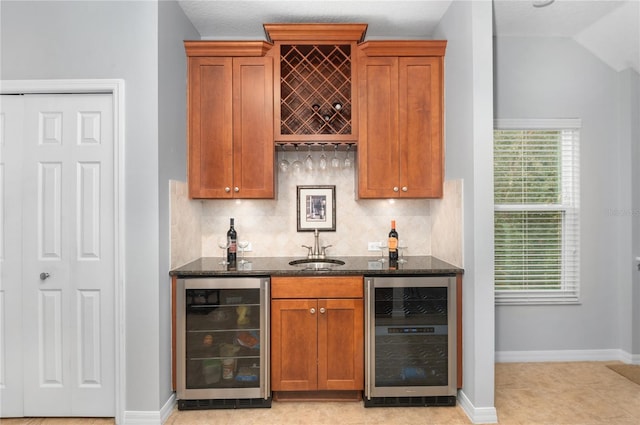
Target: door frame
[(115, 87)]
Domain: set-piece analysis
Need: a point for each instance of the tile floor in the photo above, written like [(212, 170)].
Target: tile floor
[(580, 393)]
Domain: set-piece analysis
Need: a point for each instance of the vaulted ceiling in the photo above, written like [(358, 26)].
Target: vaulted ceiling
[(608, 28)]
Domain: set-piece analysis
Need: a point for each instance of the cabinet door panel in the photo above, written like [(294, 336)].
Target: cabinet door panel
[(210, 139), (253, 127), (294, 345), (378, 148), (420, 127), (340, 344)]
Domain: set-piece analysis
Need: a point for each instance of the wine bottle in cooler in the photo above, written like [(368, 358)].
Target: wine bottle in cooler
[(393, 242), (232, 236)]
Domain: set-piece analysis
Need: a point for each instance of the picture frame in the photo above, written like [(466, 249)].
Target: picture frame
[(316, 208)]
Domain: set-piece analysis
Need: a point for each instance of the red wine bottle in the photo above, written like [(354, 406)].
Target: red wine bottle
[(393, 242), (232, 236)]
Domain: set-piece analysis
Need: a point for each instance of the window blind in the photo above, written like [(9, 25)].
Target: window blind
[(536, 217)]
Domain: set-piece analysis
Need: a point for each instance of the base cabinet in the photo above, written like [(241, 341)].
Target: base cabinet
[(317, 343)]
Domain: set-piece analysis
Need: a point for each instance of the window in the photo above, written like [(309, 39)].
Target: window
[(536, 217)]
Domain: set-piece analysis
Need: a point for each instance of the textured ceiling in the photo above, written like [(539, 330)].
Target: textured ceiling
[(608, 28)]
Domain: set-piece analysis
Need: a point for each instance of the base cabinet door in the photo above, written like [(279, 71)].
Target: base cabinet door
[(317, 344), (294, 344), (340, 344)]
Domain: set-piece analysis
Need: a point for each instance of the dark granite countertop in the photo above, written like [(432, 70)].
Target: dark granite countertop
[(279, 266)]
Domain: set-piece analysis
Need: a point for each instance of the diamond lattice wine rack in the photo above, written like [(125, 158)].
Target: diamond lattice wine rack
[(315, 89), (314, 83)]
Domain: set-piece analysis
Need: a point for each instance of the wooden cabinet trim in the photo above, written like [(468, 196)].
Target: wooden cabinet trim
[(195, 48), (404, 47), (315, 32)]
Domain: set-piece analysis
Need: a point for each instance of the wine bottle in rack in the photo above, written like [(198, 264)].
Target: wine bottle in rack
[(393, 242)]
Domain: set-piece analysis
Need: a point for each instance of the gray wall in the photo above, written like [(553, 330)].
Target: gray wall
[(174, 28), (467, 26), (557, 78), (63, 40)]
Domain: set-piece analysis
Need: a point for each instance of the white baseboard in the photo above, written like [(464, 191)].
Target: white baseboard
[(566, 356), (477, 415), (151, 417)]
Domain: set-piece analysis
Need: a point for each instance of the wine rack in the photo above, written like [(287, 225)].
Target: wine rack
[(315, 89)]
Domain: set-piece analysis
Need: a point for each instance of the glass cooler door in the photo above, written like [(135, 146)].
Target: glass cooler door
[(221, 349), (410, 336)]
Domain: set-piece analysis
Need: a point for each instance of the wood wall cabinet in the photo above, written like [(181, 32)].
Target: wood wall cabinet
[(315, 87), (317, 334), (230, 120), (401, 152)]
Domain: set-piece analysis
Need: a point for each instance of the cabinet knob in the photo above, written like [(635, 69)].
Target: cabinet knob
[(404, 188), (322, 310), (395, 188), (227, 189), (312, 311), (236, 189)]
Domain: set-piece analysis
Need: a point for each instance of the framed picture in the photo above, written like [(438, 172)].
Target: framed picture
[(316, 208)]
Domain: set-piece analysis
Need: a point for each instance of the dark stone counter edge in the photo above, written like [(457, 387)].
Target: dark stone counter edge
[(279, 266)]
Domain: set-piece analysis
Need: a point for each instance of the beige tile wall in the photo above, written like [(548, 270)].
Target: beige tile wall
[(271, 227)]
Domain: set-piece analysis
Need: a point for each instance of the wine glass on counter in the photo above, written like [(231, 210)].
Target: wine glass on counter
[(243, 245), (382, 245), (402, 245), (223, 244)]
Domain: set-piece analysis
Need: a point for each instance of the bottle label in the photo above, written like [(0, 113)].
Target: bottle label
[(232, 246), (393, 244)]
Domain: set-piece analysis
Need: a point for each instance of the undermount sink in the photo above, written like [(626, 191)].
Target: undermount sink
[(317, 263)]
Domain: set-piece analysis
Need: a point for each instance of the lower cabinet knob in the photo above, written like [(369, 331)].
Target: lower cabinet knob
[(404, 188), (395, 188), (227, 189), (322, 310), (312, 311), (236, 189)]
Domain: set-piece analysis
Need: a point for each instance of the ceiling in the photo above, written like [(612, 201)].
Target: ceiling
[(609, 28)]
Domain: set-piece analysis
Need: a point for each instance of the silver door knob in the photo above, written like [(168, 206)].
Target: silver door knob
[(322, 310), (312, 311), (227, 189), (404, 188), (395, 188), (236, 189), (44, 276)]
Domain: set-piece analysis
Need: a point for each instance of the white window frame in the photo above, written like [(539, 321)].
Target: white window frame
[(569, 206)]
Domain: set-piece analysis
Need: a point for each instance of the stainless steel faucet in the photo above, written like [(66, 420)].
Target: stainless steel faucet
[(317, 252)]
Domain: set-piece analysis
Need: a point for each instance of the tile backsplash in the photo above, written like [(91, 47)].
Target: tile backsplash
[(271, 225)]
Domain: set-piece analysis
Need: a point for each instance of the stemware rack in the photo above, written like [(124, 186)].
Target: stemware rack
[(316, 146)]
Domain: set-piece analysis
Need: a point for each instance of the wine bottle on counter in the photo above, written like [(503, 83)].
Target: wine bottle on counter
[(232, 236), (393, 242)]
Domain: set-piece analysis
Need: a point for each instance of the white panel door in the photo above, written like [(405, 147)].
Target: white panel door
[(11, 127), (68, 269)]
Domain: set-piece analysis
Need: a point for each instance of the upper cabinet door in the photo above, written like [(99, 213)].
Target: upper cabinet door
[(420, 127), (401, 119), (230, 120), (253, 149), (210, 141), (378, 148)]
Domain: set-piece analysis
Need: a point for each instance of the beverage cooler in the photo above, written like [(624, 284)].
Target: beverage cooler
[(222, 347), (410, 341)]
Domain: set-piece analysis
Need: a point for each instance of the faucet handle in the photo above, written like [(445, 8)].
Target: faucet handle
[(310, 253), (323, 249)]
